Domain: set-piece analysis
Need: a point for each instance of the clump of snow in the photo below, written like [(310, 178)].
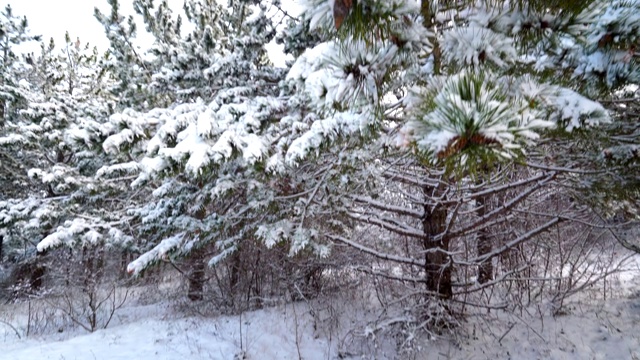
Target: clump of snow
[(321, 131), (159, 252), (473, 45), (272, 234), (575, 110), (65, 234)]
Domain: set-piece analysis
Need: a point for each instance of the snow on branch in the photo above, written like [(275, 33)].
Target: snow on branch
[(326, 130), (388, 224), (83, 230), (483, 220), (402, 210), (564, 106), (159, 252), (272, 234), (474, 45), (612, 21), (196, 136), (472, 111)]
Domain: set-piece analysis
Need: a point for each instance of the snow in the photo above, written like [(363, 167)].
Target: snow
[(113, 143), (148, 168), (159, 252), (591, 327), (193, 145), (339, 90), (325, 130), (577, 110), (472, 45), (64, 234), (272, 234), (11, 139), (310, 60), (592, 332), (265, 334)]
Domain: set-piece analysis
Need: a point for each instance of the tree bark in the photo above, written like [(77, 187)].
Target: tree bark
[(438, 269), (483, 245), (2, 113), (196, 278)]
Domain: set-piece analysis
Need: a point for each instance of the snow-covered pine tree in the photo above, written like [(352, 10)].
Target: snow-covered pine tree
[(472, 101), (607, 64), (65, 118), (14, 70), (205, 154), (125, 59), (446, 101), (59, 131), (14, 32)]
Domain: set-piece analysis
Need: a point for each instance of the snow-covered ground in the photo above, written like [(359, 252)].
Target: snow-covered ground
[(591, 328), (152, 334)]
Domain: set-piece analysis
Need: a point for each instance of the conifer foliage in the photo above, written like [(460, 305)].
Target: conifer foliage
[(438, 141)]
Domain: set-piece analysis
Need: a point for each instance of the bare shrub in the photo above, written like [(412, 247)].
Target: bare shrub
[(255, 276), (90, 308), (83, 286)]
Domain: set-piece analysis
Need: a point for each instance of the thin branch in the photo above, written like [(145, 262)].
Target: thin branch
[(623, 100), (370, 271), (386, 207), (376, 253), (13, 328), (566, 170), (513, 202), (626, 244), (524, 237), (398, 228)]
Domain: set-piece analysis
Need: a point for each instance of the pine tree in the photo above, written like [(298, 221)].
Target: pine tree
[(67, 99), (395, 118), (493, 83), (203, 154), (14, 70), (125, 60), (14, 31)]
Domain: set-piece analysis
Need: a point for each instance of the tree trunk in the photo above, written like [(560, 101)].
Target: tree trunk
[(438, 269), (483, 245), (37, 277), (196, 279), (2, 113), (124, 262)]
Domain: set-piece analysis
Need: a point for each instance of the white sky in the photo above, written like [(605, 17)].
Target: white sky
[(52, 18)]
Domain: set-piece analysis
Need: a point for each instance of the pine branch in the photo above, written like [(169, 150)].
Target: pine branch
[(507, 206), (388, 224), (400, 210), (513, 243), (380, 255)]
